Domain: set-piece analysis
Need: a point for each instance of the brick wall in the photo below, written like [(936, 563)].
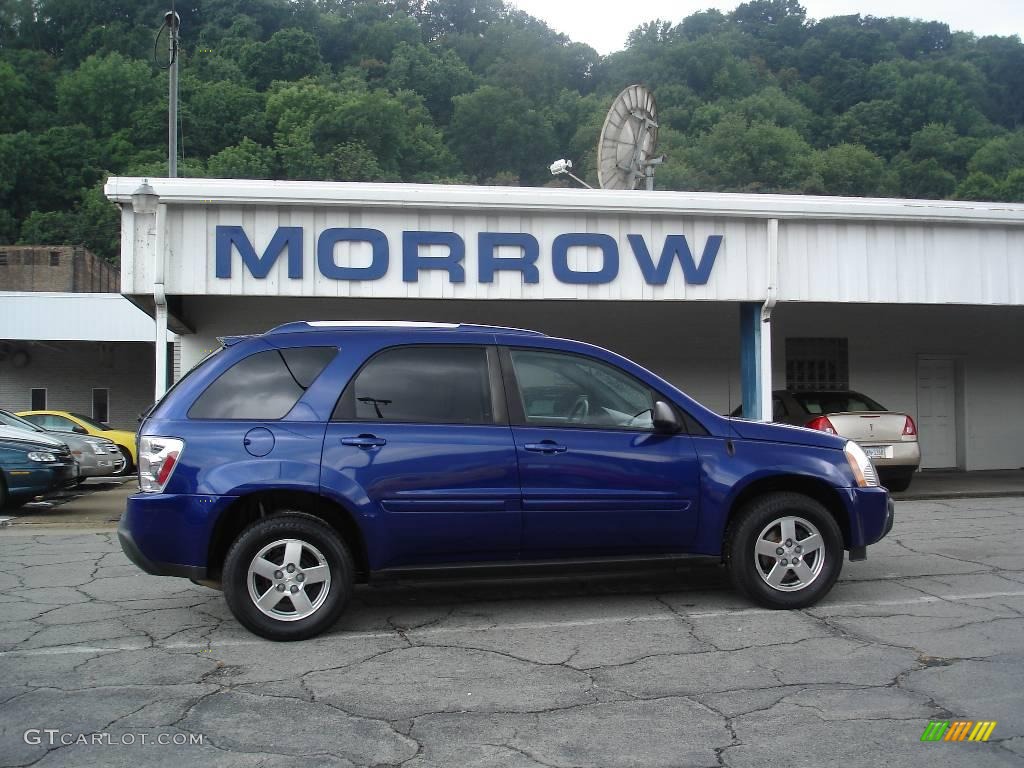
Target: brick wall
[(70, 370), (60, 268)]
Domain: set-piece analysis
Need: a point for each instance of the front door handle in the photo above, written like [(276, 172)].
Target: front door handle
[(545, 446), (364, 441)]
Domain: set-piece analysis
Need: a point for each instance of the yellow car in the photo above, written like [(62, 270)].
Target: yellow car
[(63, 421)]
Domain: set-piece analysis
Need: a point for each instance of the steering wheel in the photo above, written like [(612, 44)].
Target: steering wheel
[(580, 409)]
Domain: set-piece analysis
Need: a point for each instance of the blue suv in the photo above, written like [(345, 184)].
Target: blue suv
[(288, 466)]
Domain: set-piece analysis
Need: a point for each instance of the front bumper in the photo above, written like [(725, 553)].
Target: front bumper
[(871, 515)]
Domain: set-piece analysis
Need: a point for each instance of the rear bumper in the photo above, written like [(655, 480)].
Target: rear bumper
[(154, 567), (169, 534)]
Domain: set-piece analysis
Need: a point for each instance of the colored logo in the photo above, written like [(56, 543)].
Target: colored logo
[(958, 730)]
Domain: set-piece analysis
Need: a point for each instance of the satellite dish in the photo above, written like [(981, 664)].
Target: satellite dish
[(625, 150)]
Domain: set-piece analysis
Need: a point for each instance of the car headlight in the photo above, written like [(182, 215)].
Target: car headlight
[(157, 458), (41, 456), (863, 469), (97, 447)]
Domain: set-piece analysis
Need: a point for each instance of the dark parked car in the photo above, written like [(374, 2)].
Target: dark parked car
[(288, 466), (32, 465)]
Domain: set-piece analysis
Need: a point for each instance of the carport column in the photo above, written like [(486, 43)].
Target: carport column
[(756, 340)]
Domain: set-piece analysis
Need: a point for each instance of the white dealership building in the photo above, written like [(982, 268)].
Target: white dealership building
[(918, 304)]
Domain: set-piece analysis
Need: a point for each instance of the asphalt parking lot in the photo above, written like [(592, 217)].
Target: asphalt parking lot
[(664, 668)]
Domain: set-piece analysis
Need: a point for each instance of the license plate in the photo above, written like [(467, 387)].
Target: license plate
[(875, 452)]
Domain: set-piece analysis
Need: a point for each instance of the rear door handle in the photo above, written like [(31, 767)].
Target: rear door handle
[(545, 446), (364, 441)]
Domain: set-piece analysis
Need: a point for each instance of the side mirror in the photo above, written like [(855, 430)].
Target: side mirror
[(79, 430), (665, 419)]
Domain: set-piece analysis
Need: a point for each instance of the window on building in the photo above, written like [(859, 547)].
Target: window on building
[(39, 399), (423, 385), (817, 364), (3, 259), (54, 258), (101, 405), (264, 386)]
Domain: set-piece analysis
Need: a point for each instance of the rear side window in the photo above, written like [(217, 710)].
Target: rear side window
[(424, 385), (264, 386)]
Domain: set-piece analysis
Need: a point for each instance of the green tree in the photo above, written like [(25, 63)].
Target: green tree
[(851, 170), (496, 130), (105, 91), (289, 54), (978, 186), (758, 157), (245, 160)]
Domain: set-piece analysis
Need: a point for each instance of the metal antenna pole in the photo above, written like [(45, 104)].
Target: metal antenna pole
[(173, 23)]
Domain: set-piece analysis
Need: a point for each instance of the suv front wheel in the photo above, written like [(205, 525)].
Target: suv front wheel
[(288, 577), (784, 550)]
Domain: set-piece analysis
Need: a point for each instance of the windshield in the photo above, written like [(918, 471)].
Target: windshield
[(836, 402), (91, 422), (17, 422)]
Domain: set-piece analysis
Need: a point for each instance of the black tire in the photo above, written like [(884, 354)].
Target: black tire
[(3, 495), (897, 481), (129, 467), (287, 525), (744, 532)]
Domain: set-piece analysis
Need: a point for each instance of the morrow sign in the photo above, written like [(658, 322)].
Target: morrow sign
[(289, 240)]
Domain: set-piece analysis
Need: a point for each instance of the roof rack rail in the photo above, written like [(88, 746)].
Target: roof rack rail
[(304, 326)]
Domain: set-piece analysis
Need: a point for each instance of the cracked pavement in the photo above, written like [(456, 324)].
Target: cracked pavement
[(657, 668)]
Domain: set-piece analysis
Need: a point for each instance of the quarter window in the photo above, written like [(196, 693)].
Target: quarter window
[(574, 391), (425, 385), (264, 386)]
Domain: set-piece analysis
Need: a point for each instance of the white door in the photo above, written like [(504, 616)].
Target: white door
[(936, 412)]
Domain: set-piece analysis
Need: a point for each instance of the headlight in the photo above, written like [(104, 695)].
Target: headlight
[(158, 457), (41, 456), (97, 447), (863, 469)]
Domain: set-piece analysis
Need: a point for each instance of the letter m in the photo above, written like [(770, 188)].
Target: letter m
[(675, 249), (231, 237), (935, 730)]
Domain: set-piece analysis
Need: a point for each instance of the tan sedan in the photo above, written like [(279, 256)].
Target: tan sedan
[(887, 437)]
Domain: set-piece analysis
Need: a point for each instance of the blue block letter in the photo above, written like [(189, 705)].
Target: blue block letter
[(259, 266), (376, 269), (560, 258), (675, 248), (527, 263), (412, 262)]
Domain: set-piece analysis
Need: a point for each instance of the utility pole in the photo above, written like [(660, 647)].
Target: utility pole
[(173, 22)]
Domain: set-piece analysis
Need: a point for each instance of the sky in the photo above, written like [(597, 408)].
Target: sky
[(604, 24)]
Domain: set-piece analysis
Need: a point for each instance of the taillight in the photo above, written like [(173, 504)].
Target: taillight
[(158, 456), (822, 424), (909, 428)]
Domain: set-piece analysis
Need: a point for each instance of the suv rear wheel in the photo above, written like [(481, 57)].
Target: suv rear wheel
[(288, 576), (784, 550)]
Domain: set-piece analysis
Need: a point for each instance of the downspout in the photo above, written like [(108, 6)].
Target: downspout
[(765, 352), (160, 305)]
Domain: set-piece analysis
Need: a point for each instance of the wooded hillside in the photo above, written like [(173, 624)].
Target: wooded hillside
[(761, 99)]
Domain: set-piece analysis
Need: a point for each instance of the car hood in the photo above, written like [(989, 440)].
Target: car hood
[(28, 436), (784, 433)]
